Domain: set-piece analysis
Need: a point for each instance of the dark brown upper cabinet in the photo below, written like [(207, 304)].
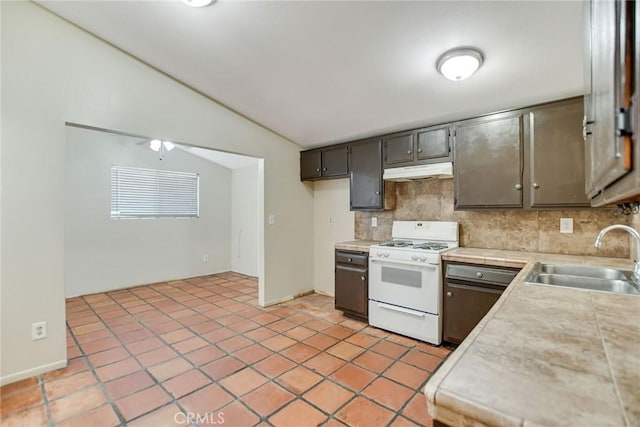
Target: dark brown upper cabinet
[(611, 111), (555, 167), (531, 158), (324, 163), (488, 162), (428, 145), (367, 189)]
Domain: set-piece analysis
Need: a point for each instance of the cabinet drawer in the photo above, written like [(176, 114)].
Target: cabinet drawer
[(352, 258), (405, 321), (480, 274)]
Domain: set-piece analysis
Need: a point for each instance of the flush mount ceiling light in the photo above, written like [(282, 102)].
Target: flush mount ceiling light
[(198, 3), (460, 63)]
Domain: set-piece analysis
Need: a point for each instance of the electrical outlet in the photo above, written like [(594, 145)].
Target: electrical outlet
[(272, 219), (566, 225), (374, 221), (38, 331), (330, 220), (205, 258)]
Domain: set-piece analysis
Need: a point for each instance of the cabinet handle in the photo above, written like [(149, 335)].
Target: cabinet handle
[(324, 169), (449, 294), (518, 186), (536, 185), (479, 275), (377, 193), (318, 170), (363, 278), (419, 150), (350, 260), (409, 152)]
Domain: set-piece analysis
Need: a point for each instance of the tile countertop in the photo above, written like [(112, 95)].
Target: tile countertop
[(356, 245), (543, 356)]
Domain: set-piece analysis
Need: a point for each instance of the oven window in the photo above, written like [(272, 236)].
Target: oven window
[(401, 276)]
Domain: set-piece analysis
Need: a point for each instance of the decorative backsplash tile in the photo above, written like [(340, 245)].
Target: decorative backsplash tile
[(536, 231)]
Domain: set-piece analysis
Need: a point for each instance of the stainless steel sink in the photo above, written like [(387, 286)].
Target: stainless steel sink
[(583, 277)]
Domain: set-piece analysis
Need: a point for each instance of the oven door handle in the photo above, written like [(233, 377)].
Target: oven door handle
[(395, 261), (400, 309)]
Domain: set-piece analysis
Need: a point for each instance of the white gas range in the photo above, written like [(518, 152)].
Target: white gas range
[(405, 279)]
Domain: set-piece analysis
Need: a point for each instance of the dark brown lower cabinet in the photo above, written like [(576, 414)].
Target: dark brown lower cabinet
[(469, 293), (352, 283)]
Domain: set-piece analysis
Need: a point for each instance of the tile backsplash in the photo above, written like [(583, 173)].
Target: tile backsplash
[(535, 231)]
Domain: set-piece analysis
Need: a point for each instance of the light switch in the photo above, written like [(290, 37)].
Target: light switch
[(272, 219), (566, 225), (374, 221), (330, 220)]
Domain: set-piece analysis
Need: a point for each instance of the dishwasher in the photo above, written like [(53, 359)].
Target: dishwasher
[(469, 293)]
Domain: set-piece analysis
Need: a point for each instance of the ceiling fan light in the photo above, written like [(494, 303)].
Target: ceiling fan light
[(198, 3), (155, 144), (459, 64), (168, 145)]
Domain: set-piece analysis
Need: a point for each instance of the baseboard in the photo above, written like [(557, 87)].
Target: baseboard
[(326, 294), (287, 298), (11, 378)]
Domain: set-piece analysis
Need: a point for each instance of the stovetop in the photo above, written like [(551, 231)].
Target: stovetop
[(408, 244)]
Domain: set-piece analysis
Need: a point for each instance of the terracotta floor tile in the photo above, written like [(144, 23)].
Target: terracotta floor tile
[(205, 327), (244, 326), (274, 366), (328, 396), (281, 325), (324, 363), (339, 332), (108, 356), (362, 412), (299, 352), (219, 335), (223, 367), (128, 384), (204, 355), (69, 384), (407, 375), (117, 369), (299, 379), (185, 383), (145, 345), (169, 369), (334, 423), (99, 345), (73, 367), (9, 389), (260, 334), (177, 335), (416, 410), (294, 414), (127, 327), (265, 319), (388, 393), (77, 403), (422, 360), (403, 422), (362, 340), (190, 345), (320, 341), (389, 349), (21, 399), (234, 343), (35, 416), (166, 327), (243, 381), (278, 343), (353, 377), (142, 402), (88, 327), (299, 333), (253, 353), (159, 355), (440, 351), (229, 320), (267, 398), (318, 325), (208, 399), (373, 361), (104, 416), (94, 336), (345, 350), (166, 416)]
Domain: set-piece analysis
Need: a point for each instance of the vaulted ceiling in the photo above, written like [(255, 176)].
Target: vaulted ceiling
[(319, 72)]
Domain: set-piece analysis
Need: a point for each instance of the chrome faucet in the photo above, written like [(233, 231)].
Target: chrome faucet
[(635, 277)]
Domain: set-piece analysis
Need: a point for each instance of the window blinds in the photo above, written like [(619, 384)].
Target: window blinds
[(152, 193)]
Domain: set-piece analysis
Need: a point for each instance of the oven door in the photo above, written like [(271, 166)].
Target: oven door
[(406, 284)]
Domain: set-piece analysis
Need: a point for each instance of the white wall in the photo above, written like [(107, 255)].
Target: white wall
[(244, 222), (330, 201), (103, 254), (54, 72)]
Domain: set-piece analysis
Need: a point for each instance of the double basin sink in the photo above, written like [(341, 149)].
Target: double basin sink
[(583, 277)]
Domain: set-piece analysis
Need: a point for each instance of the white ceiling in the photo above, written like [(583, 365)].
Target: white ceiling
[(320, 72), (227, 160)]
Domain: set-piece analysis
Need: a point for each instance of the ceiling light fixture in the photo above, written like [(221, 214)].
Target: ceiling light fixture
[(198, 3), (155, 144), (460, 63), (169, 145), (161, 146)]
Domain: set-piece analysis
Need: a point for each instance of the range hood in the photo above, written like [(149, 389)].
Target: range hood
[(409, 173)]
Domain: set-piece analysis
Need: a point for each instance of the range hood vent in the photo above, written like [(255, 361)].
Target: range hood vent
[(410, 173)]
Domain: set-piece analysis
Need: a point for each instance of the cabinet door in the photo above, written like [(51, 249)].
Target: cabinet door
[(366, 185), (463, 308), (399, 148), (609, 155), (556, 155), (352, 290), (488, 162), (310, 165), (335, 162), (433, 145)]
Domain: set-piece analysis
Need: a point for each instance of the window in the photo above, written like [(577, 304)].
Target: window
[(152, 193)]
